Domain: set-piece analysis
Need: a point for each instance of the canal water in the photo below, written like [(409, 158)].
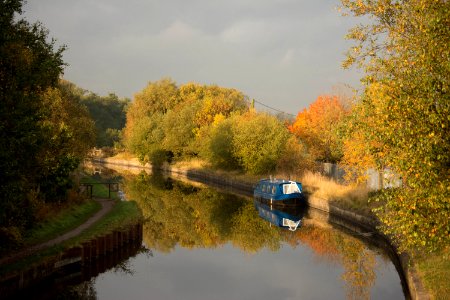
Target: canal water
[(200, 243)]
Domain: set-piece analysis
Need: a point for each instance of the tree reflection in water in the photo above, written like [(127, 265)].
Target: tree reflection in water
[(358, 261), (180, 214)]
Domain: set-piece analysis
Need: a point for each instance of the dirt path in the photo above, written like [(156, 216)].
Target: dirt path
[(107, 205)]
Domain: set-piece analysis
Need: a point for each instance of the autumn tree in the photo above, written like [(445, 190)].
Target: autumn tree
[(317, 127), (218, 100), (357, 156), (404, 112)]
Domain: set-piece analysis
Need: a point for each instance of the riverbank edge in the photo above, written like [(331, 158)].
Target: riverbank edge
[(45, 251), (416, 288)]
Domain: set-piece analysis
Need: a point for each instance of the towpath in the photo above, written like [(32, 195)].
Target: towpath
[(107, 205)]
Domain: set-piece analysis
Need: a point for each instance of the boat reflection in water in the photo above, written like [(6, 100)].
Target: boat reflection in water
[(289, 217)]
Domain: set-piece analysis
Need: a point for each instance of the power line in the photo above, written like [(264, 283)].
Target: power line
[(280, 111)]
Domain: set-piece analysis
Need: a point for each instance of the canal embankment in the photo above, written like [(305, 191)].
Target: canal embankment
[(76, 264), (352, 220), (112, 233)]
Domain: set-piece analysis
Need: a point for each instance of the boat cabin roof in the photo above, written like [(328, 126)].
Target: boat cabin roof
[(276, 181), (278, 186)]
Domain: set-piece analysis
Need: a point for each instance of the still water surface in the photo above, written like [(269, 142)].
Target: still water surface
[(204, 244)]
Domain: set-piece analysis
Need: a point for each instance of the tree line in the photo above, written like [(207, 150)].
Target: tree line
[(167, 122)]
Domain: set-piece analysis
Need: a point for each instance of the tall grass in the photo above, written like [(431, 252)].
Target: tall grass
[(350, 197), (434, 269)]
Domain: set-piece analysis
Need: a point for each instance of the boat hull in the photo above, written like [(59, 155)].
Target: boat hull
[(278, 192), (297, 200)]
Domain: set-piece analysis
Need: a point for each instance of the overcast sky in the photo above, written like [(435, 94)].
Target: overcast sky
[(283, 53)]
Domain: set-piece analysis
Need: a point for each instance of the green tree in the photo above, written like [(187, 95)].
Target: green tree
[(246, 223), (258, 141), (218, 143), (405, 112), (108, 112), (143, 132), (181, 117), (159, 96), (144, 138), (29, 64), (68, 133), (179, 128)]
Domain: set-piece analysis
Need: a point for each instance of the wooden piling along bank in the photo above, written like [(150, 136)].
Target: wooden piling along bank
[(77, 264)]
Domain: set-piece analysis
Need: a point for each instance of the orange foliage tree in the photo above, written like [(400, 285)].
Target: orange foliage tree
[(318, 126)]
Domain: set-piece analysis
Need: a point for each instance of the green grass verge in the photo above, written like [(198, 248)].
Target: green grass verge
[(434, 270), (65, 221), (123, 214)]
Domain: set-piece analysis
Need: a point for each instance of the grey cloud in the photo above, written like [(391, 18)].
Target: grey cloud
[(282, 52)]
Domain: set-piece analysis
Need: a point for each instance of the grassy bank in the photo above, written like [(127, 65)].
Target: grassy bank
[(123, 214), (64, 221), (352, 198)]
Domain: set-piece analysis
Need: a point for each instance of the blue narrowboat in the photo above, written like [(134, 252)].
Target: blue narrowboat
[(289, 217), (278, 191)]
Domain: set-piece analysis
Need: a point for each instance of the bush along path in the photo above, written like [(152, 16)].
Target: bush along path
[(106, 207)]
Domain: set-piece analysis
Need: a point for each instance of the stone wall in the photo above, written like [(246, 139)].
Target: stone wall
[(376, 179)]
